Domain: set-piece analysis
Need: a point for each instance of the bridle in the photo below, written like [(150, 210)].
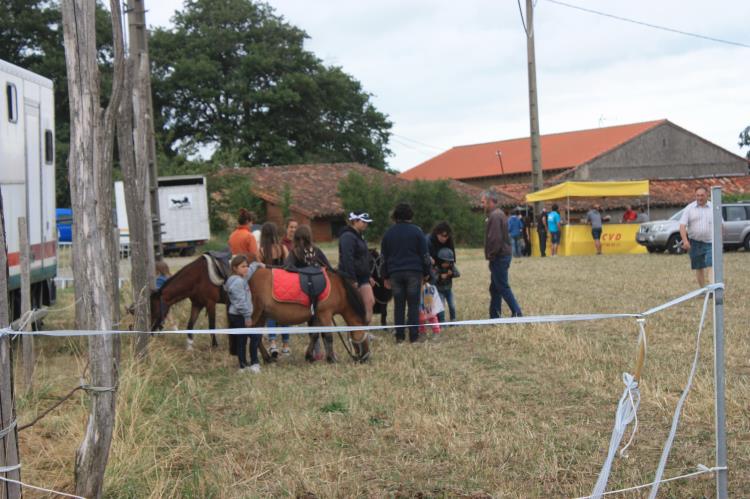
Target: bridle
[(375, 263)]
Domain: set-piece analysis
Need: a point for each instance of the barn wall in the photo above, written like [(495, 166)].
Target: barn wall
[(320, 227), (321, 230), (666, 152)]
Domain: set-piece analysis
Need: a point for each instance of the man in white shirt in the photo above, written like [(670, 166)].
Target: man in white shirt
[(696, 230)]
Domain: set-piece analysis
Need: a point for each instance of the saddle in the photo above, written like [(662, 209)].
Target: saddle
[(304, 286), (219, 268)]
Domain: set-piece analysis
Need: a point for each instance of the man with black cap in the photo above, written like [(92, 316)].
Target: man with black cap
[(354, 258)]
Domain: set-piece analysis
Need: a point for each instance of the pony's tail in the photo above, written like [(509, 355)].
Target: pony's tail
[(354, 299)]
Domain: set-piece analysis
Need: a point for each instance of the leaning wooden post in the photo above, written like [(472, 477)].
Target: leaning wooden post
[(90, 172), (27, 341), (8, 429)]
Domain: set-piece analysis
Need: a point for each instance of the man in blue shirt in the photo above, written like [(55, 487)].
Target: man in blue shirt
[(553, 226), (515, 228)]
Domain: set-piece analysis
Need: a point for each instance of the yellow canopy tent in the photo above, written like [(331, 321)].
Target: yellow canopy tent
[(576, 240), (590, 190)]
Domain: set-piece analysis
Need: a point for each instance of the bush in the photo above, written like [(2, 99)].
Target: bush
[(227, 194), (369, 195), (432, 202)]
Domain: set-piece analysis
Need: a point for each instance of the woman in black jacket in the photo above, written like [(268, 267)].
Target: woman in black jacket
[(354, 259), (440, 237)]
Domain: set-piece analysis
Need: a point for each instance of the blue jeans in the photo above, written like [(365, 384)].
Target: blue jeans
[(272, 336), (447, 296), (240, 341), (500, 288), (542, 242), (406, 288), (517, 246)]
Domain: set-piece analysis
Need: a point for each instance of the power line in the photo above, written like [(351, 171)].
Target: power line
[(642, 23), (418, 142)]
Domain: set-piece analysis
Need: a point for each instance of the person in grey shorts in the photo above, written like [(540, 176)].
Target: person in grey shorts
[(696, 230), (594, 217)]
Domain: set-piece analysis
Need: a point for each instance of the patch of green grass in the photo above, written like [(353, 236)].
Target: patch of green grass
[(335, 406)]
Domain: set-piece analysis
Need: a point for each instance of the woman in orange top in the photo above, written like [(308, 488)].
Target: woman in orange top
[(242, 241)]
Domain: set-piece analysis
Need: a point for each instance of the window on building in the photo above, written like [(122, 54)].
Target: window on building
[(49, 147), (12, 100)]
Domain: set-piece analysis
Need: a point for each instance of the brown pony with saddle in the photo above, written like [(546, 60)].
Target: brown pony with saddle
[(193, 282), (343, 299)]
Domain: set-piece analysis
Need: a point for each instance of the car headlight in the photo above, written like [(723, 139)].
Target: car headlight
[(659, 228)]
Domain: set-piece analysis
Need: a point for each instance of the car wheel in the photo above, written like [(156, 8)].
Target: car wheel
[(674, 244), (746, 244)]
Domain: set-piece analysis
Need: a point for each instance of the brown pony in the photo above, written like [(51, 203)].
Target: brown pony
[(343, 300), (192, 282)]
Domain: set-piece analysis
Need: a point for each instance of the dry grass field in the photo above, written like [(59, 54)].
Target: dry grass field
[(505, 411)]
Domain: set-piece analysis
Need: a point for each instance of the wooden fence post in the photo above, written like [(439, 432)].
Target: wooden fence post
[(27, 342), (116, 340), (91, 185), (8, 428)]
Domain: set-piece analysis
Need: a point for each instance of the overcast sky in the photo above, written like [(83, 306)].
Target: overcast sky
[(451, 73)]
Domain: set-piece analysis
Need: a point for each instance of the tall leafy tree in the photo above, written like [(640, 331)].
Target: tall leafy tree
[(234, 77), (31, 37), (745, 140)]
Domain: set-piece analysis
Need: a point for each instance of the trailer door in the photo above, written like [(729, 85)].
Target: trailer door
[(34, 191)]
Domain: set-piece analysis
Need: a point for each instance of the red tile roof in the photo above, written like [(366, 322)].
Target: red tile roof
[(314, 187), (559, 151), (662, 192)]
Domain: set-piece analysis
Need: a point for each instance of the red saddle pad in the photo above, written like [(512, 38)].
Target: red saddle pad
[(287, 289)]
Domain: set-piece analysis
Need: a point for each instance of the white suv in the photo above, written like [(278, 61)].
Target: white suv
[(663, 235)]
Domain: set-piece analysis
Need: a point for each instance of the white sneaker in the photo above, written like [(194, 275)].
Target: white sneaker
[(255, 368)]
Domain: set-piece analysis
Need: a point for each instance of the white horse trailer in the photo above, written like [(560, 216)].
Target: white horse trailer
[(27, 178), (183, 206)]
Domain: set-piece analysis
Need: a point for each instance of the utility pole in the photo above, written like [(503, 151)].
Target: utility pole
[(536, 150), (138, 35)]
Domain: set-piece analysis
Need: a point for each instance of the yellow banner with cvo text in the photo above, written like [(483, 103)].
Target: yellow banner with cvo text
[(617, 239)]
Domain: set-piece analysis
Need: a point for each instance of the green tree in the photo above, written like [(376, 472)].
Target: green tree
[(229, 193), (286, 202), (432, 201), (370, 195), (233, 76), (745, 140), (31, 37)]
